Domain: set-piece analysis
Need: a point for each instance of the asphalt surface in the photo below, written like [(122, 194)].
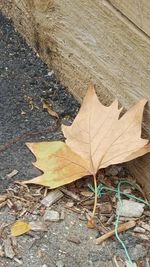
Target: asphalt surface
[(23, 76)]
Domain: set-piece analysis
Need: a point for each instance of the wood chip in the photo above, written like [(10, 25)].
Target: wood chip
[(52, 198), (62, 214), (11, 174), (3, 204), (145, 226), (3, 198), (141, 236), (74, 239), (8, 249), (70, 194), (104, 207), (9, 203), (123, 227), (87, 193)]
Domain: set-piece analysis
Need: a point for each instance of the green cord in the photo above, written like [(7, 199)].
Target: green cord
[(101, 189), (117, 223)]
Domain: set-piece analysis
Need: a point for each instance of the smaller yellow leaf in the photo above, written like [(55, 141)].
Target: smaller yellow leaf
[(20, 228)]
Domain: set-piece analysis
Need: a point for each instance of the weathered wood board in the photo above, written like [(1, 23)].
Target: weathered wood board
[(83, 40), (138, 11)]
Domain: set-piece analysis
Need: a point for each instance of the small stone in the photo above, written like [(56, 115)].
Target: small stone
[(74, 239), (38, 226), (139, 230), (128, 208), (60, 263), (9, 252), (51, 215)]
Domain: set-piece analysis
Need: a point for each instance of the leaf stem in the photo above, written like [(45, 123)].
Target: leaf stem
[(95, 200)]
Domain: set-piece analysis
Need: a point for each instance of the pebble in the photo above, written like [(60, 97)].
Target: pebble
[(60, 263), (51, 215), (139, 230), (128, 208)]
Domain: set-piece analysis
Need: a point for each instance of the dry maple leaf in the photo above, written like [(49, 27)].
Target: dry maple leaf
[(97, 138)]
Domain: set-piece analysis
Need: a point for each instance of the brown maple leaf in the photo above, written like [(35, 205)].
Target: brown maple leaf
[(97, 138)]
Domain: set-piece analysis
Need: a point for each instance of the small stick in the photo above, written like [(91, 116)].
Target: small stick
[(70, 194), (123, 227)]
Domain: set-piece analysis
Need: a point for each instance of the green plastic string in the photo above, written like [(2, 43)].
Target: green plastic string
[(101, 190), (117, 223)]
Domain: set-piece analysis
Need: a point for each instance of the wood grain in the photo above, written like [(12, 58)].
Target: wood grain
[(138, 11)]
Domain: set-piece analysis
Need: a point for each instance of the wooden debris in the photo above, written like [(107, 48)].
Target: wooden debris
[(62, 214), (69, 204), (9, 203), (141, 236), (1, 252), (47, 106), (87, 193), (3, 197), (70, 194), (74, 239), (8, 249), (110, 220), (52, 198), (123, 227), (3, 204), (12, 174), (18, 260), (105, 207), (145, 226)]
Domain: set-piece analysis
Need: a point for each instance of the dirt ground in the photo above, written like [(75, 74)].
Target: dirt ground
[(24, 82)]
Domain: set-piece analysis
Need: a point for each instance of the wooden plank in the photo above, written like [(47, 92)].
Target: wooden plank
[(81, 40), (138, 11)]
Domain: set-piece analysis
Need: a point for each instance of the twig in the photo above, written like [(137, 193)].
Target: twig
[(123, 227), (69, 194), (95, 199)]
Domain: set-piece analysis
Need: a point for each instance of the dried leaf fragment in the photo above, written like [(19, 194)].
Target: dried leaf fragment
[(59, 163), (101, 137), (20, 228), (46, 106)]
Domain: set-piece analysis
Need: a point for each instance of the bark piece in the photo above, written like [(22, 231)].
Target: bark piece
[(52, 198)]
